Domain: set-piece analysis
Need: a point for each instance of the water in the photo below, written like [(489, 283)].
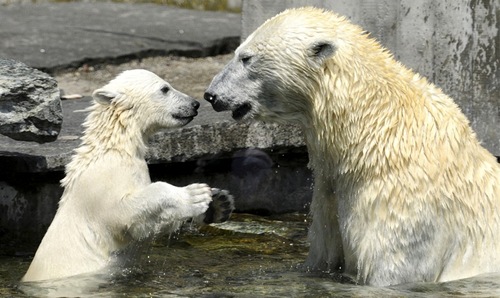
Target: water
[(250, 256)]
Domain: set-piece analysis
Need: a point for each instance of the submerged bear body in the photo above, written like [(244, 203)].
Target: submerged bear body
[(403, 191)]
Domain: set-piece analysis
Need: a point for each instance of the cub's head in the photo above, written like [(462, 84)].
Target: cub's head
[(141, 97), (280, 67)]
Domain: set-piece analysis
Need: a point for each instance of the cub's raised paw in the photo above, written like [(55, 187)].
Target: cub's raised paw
[(220, 208), (198, 197)]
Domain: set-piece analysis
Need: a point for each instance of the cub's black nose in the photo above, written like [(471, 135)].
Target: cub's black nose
[(195, 105), (209, 97)]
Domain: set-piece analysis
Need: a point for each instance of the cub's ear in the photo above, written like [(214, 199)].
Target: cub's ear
[(104, 96), (322, 50)]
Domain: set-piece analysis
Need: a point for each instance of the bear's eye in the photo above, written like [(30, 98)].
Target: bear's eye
[(246, 60), (165, 89)]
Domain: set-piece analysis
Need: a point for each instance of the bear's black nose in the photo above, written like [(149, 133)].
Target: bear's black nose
[(209, 97), (195, 105)]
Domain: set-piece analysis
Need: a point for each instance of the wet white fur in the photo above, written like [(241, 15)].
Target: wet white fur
[(403, 191), (109, 201)]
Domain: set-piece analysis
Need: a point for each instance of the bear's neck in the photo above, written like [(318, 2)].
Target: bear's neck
[(352, 120), (108, 130), (111, 129)]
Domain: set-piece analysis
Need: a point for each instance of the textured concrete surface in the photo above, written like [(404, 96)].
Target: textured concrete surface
[(51, 36)]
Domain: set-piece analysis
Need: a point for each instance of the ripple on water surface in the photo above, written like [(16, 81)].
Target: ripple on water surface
[(247, 256)]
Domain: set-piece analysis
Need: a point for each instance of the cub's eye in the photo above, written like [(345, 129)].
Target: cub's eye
[(165, 89)]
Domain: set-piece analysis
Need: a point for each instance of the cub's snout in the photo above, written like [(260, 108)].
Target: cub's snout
[(187, 112), (193, 107)]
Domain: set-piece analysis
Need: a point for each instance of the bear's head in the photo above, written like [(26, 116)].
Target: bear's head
[(139, 97), (284, 65)]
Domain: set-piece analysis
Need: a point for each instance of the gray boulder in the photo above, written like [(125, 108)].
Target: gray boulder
[(30, 104)]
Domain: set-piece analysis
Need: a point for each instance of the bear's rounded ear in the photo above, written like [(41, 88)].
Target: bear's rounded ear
[(321, 51), (104, 96)]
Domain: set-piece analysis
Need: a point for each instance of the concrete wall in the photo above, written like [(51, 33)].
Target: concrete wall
[(454, 43)]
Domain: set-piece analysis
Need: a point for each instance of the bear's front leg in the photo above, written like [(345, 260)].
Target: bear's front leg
[(326, 250), (162, 205), (187, 202)]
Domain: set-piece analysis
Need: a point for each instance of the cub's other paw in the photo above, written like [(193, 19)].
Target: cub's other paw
[(220, 208)]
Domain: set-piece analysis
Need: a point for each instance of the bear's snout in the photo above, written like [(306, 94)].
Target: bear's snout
[(217, 104), (209, 97)]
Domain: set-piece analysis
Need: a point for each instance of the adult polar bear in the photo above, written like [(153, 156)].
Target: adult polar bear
[(109, 203), (403, 190)]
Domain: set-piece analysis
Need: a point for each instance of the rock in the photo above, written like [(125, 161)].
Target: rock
[(30, 104)]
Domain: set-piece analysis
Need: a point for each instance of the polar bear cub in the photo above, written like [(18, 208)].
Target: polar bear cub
[(109, 201)]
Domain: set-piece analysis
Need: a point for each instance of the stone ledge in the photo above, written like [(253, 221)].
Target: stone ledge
[(180, 145), (210, 134), (191, 143)]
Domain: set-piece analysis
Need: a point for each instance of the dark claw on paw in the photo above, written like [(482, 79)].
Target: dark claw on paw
[(221, 207)]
